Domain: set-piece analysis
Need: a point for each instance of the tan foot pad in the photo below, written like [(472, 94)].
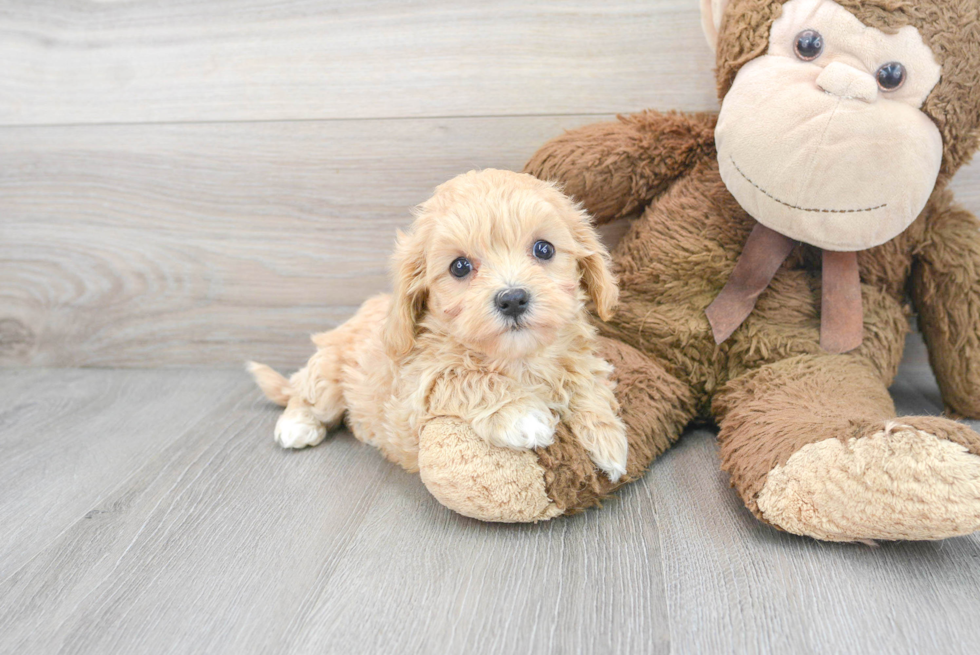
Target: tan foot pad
[(900, 483), (469, 476)]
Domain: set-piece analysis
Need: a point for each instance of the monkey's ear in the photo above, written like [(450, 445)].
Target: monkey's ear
[(711, 13), (408, 296)]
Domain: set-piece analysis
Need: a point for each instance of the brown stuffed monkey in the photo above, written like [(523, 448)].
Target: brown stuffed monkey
[(766, 283)]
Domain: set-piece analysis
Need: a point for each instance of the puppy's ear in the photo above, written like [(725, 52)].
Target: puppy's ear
[(597, 275), (408, 296)]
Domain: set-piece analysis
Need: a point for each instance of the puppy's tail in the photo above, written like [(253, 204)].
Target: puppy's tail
[(275, 387)]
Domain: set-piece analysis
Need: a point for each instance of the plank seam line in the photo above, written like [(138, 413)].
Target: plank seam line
[(260, 121)]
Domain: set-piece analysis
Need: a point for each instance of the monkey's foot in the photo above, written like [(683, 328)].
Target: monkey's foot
[(470, 476), (914, 478)]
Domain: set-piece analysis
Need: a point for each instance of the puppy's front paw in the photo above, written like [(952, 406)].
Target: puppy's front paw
[(299, 431), (518, 428), (536, 429), (607, 447)]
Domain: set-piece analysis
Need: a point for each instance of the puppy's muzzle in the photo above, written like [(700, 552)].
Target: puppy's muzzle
[(512, 302)]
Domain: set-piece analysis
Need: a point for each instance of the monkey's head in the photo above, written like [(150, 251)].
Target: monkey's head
[(838, 119)]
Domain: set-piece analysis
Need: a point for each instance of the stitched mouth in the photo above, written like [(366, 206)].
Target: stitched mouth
[(803, 209)]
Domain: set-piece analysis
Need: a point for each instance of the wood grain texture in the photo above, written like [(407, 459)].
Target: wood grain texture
[(966, 186), (591, 583), (203, 245), (226, 544), (70, 437), (69, 62), (196, 245)]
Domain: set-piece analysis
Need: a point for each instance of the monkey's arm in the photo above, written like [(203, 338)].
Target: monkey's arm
[(946, 293), (616, 169)]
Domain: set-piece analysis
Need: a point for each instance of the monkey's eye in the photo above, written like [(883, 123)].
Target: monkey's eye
[(891, 76), (460, 268), (809, 45), (543, 250)]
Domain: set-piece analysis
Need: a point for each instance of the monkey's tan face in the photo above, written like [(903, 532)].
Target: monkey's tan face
[(822, 139)]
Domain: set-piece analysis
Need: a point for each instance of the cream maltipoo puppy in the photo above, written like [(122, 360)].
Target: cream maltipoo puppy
[(487, 323)]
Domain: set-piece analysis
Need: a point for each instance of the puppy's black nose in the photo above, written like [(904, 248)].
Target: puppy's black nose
[(512, 302)]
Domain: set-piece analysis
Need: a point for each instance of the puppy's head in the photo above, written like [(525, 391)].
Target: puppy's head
[(499, 261)]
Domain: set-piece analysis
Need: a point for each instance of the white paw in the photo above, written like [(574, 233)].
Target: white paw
[(614, 468), (536, 429), (608, 449), (299, 432)]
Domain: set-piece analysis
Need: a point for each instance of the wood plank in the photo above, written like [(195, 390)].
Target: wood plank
[(195, 245), (225, 60), (738, 586), (966, 186), (590, 583), (741, 587), (206, 549), (68, 438), (201, 245), (226, 544)]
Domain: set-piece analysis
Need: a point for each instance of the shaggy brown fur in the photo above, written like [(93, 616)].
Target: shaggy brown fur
[(762, 424), (771, 387), (655, 407)]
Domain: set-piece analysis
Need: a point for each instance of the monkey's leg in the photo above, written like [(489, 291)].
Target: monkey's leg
[(946, 291), (471, 477), (814, 448)]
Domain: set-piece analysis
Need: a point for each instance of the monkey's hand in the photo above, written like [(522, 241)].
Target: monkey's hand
[(946, 292), (616, 169)]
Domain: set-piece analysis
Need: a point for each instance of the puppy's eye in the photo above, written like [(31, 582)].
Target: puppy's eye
[(460, 268), (809, 45), (543, 250)]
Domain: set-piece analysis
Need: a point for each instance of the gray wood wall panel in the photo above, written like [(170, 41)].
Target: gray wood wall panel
[(176, 188), (196, 245), (225, 60)]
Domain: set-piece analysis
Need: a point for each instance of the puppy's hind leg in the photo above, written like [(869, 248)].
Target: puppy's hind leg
[(320, 383), (313, 396), (298, 427)]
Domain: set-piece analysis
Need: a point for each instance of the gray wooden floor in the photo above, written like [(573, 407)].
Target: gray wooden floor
[(149, 511)]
